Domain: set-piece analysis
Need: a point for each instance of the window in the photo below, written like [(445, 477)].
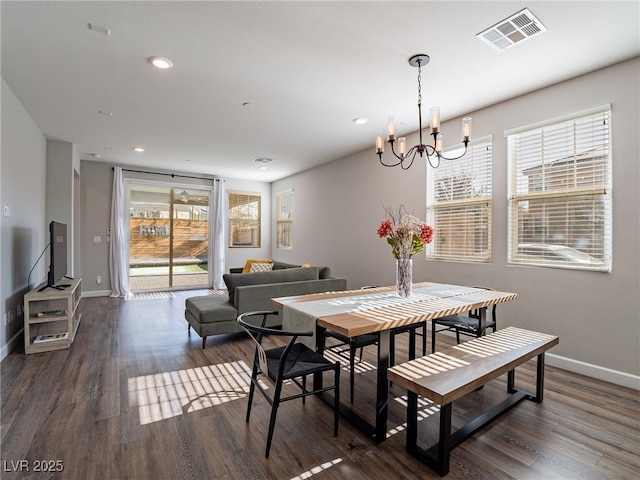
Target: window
[(284, 219), (560, 193), (244, 219), (459, 205)]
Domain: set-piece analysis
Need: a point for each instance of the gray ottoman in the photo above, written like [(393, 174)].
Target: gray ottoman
[(211, 315)]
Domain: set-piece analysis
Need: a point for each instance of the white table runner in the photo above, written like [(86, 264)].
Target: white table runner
[(302, 316)]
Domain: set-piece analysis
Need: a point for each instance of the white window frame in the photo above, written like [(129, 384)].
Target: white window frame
[(252, 220), (563, 218), (284, 220), (462, 223)]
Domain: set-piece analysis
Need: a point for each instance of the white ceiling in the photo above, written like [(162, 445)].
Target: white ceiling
[(306, 68)]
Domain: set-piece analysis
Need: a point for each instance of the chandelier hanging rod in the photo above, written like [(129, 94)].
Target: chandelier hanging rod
[(406, 157)]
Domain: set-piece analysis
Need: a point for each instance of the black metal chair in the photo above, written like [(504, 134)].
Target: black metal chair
[(359, 342), (462, 324), (289, 362), (353, 344)]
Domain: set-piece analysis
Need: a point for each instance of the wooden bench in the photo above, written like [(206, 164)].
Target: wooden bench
[(444, 377)]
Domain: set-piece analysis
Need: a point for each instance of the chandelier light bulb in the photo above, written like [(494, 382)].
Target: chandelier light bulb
[(379, 144), (435, 119), (438, 147), (391, 129), (402, 146), (466, 129)]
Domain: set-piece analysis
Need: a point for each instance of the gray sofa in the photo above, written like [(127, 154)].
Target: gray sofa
[(216, 314)]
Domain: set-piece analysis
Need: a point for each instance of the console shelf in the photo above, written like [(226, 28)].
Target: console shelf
[(52, 316)]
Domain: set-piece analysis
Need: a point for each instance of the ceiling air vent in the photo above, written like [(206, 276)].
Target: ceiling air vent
[(512, 30)]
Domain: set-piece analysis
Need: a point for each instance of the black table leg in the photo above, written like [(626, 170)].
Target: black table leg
[(511, 381), (412, 422), (382, 387), (444, 445), (320, 345), (540, 378)]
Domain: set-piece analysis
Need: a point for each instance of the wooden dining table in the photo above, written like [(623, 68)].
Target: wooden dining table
[(358, 312)]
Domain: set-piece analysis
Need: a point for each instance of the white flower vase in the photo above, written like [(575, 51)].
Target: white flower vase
[(404, 276)]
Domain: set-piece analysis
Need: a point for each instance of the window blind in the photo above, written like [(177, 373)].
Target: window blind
[(284, 220), (560, 194), (244, 219), (459, 205)]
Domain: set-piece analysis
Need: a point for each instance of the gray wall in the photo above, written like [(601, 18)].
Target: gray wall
[(337, 208), (24, 234), (95, 201), (63, 164)]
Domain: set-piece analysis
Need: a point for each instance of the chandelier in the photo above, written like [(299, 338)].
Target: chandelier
[(433, 153)]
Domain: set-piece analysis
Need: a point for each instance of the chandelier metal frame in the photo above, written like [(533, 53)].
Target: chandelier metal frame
[(433, 153)]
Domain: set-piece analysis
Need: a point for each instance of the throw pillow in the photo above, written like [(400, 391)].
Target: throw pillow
[(248, 263), (261, 267)]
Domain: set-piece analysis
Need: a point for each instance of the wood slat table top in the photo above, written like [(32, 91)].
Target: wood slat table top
[(355, 322), (448, 375)]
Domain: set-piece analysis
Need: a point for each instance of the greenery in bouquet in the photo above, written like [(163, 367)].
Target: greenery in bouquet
[(405, 233)]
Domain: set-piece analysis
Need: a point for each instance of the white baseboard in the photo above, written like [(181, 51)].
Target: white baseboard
[(594, 371), (576, 366), (10, 345), (97, 293)]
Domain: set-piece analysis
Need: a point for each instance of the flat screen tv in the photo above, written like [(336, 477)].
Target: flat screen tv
[(57, 253)]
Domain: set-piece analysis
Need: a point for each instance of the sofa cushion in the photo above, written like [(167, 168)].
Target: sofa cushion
[(211, 308), (249, 263), (261, 267), (324, 272), (234, 280), (282, 265)]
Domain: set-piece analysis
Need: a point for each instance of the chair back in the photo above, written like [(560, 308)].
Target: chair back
[(257, 332), (476, 312)]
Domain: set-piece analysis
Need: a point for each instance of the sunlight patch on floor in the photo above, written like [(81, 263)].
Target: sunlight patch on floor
[(175, 294), (316, 470), (426, 408), (360, 367), (169, 394)]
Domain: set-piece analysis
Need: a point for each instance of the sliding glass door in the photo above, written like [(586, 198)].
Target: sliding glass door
[(168, 237)]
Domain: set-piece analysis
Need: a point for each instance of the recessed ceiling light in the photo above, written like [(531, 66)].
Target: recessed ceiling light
[(138, 149), (360, 120), (160, 62)]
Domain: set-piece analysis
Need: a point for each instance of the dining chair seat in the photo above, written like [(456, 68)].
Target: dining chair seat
[(463, 324)]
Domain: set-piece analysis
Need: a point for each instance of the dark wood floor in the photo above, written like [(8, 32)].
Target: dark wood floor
[(135, 397)]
